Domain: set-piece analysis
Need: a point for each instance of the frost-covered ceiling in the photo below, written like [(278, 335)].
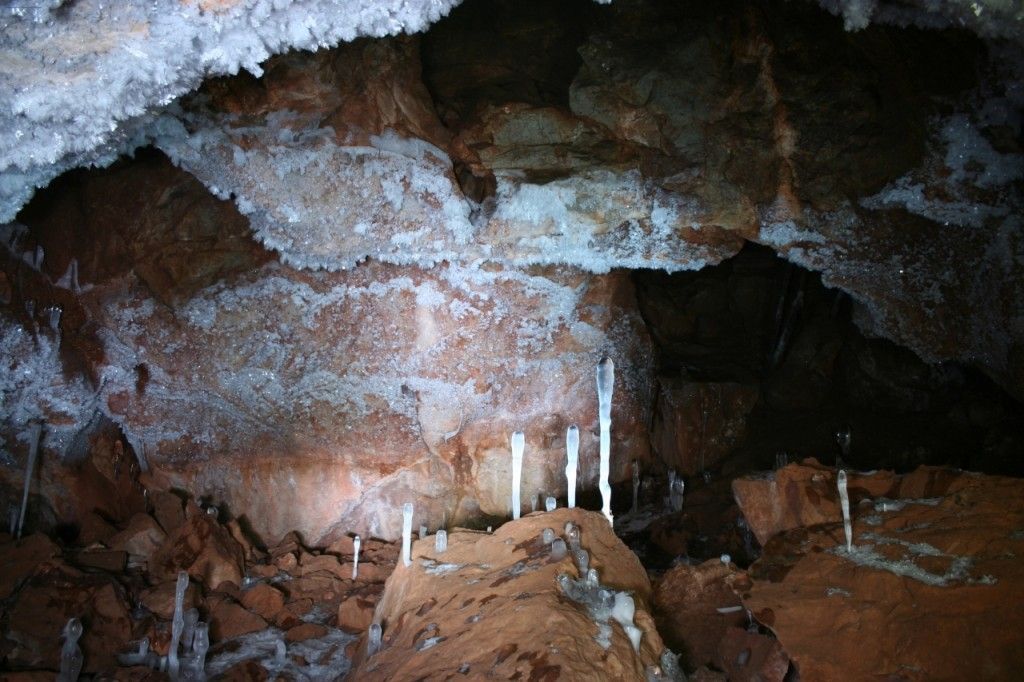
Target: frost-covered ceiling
[(80, 80)]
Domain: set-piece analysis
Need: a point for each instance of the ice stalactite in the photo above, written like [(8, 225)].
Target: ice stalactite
[(33, 453), (605, 382), (407, 533), (356, 542), (572, 454), (518, 444), (844, 501)]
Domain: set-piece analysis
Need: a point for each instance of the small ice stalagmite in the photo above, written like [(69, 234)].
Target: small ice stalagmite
[(356, 543), (407, 533), (622, 612), (550, 503), (605, 383), (423, 532), (280, 653), (572, 454), (70, 653), (844, 501), (373, 639), (518, 444), (441, 541), (33, 453)]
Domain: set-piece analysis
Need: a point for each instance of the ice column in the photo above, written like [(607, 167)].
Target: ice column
[(844, 501), (407, 533), (356, 542), (70, 653), (518, 443), (572, 453), (605, 381)]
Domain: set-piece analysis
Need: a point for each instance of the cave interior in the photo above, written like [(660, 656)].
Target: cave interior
[(285, 284)]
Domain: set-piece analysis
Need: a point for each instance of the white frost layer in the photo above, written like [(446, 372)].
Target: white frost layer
[(76, 86), (987, 18), (326, 205)]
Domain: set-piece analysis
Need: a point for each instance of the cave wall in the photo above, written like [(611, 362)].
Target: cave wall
[(367, 264)]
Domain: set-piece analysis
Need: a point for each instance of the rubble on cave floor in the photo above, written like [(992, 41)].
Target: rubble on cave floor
[(936, 546)]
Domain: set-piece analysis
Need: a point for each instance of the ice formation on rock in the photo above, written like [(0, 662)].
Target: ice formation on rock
[(70, 653), (373, 638), (550, 503), (177, 625), (572, 455), (82, 85), (605, 383), (844, 502), (518, 441), (356, 542), (35, 434), (407, 510), (441, 541)]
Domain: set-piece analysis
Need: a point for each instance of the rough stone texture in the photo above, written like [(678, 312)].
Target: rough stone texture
[(204, 549), (687, 600), (43, 606), (928, 593), (499, 611), (141, 538), (805, 494), (697, 424), (435, 369)]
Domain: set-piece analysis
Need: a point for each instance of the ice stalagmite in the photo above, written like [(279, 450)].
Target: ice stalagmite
[(441, 541), (71, 653), (572, 453), (177, 625), (407, 533), (356, 542), (605, 381), (844, 501), (37, 431), (518, 444)]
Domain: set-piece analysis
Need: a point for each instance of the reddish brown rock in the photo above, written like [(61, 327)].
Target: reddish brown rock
[(300, 633), (57, 593), (802, 495), (204, 549), (930, 591), (355, 613), (160, 599), (140, 539), (697, 424), (229, 619), (493, 604), (326, 563), (94, 528), (110, 561), (169, 510), (20, 559), (751, 657), (695, 606), (263, 600)]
